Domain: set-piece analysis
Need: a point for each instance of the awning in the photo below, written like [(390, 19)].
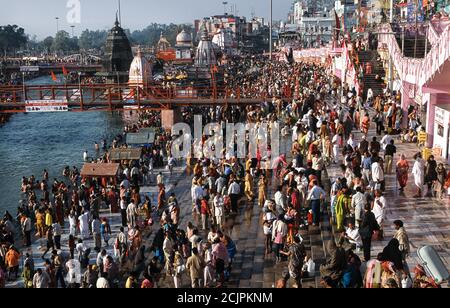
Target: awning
[(125, 154), (143, 137), (99, 170)]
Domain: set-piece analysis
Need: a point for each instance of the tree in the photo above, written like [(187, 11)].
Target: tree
[(150, 35), (12, 37), (64, 43), (48, 43), (92, 39)]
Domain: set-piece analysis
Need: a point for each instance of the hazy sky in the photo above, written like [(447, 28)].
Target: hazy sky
[(38, 16)]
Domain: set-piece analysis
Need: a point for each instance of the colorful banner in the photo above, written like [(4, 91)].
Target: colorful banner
[(46, 106)]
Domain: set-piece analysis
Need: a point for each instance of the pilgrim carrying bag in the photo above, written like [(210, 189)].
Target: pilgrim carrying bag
[(433, 264)]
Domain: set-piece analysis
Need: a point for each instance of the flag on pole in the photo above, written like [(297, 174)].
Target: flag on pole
[(65, 71), (54, 76)]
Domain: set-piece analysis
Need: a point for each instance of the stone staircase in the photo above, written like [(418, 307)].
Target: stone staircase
[(410, 45), (252, 269), (369, 79)]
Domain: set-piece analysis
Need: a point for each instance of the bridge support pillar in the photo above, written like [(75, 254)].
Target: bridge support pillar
[(169, 117)]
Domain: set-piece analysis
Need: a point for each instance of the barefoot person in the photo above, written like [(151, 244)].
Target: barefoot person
[(402, 171)]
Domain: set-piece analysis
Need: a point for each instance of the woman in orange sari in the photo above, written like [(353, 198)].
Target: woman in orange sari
[(402, 171), (365, 124)]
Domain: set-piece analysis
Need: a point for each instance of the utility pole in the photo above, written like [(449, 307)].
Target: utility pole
[(403, 40), (391, 62), (270, 30), (417, 29)]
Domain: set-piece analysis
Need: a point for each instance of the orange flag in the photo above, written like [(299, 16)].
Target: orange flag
[(54, 77), (65, 72)]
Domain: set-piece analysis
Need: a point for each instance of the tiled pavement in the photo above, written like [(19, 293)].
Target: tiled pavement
[(426, 219), (114, 219)]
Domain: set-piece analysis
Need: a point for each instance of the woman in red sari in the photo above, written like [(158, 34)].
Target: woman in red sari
[(402, 171), (365, 124)]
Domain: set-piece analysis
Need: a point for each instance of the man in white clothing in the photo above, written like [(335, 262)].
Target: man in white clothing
[(357, 206), (336, 141), (377, 174), (351, 142), (385, 140), (352, 235), (218, 209), (379, 207), (196, 193), (131, 214), (233, 191), (418, 172)]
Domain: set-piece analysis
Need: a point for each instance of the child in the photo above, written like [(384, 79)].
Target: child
[(105, 231), (267, 229), (310, 217)]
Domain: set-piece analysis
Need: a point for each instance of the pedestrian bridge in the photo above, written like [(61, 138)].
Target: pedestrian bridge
[(85, 97)]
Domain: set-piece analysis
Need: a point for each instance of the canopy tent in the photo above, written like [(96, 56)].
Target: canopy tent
[(125, 154), (142, 138), (102, 170)]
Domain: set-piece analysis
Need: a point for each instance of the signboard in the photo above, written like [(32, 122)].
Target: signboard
[(168, 55), (46, 106), (29, 68), (439, 115)]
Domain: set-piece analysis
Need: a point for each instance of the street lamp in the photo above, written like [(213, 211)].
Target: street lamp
[(270, 29), (57, 24), (225, 7), (23, 86), (72, 26)]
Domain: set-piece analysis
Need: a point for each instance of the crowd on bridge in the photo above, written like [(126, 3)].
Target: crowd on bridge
[(292, 190)]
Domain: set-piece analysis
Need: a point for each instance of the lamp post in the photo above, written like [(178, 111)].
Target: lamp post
[(23, 87), (73, 33), (225, 7), (270, 30), (57, 24), (80, 90), (391, 62)]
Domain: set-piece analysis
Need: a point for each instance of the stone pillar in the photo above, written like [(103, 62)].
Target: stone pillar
[(431, 103), (406, 102), (169, 117)]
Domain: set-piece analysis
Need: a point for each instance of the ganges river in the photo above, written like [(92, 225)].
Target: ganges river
[(31, 142)]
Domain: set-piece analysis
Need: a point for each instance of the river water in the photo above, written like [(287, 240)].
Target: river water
[(30, 143)]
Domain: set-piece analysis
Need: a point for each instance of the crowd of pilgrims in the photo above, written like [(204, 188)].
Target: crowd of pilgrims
[(288, 188)]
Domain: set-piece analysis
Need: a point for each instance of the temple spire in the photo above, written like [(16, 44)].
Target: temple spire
[(117, 20)]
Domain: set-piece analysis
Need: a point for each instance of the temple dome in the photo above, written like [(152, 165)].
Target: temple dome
[(140, 70), (184, 39)]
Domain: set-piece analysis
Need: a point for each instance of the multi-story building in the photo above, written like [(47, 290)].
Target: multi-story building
[(234, 32), (311, 22)]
